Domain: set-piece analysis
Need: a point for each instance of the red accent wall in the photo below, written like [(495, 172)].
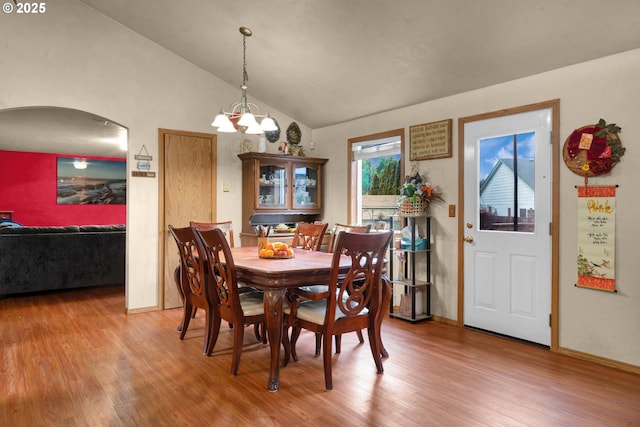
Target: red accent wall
[(28, 188)]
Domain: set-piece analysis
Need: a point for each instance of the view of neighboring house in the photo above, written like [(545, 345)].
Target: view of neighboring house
[(497, 192)]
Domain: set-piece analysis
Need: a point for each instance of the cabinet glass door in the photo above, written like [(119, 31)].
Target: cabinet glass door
[(306, 194), (273, 181)]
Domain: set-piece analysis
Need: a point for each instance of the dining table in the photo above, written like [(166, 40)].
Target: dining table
[(274, 276)]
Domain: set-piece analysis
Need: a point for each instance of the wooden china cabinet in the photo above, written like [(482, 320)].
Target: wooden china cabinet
[(279, 189)]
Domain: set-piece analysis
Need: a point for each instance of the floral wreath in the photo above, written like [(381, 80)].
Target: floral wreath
[(593, 150)]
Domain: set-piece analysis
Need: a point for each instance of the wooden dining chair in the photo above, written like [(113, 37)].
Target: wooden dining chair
[(352, 301), (337, 229), (239, 309), (309, 236), (227, 229), (196, 291), (225, 226)]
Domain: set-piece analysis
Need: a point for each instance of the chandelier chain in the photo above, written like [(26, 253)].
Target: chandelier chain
[(245, 75)]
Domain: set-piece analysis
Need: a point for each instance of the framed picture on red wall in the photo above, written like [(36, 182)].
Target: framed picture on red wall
[(82, 181)]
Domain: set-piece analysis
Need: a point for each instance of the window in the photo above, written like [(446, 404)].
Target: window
[(376, 175), (507, 182)]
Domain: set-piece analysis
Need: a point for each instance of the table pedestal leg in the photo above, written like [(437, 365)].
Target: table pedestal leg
[(273, 305)]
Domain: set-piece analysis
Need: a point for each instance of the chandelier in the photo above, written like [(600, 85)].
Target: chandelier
[(241, 112)]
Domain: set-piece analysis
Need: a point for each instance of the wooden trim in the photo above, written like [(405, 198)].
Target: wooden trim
[(282, 157), (352, 183), (161, 224), (461, 123), (554, 105), (555, 224), (452, 322), (351, 176), (599, 360), (142, 310)]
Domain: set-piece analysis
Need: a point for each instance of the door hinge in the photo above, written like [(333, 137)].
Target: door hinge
[(550, 229), (549, 319)]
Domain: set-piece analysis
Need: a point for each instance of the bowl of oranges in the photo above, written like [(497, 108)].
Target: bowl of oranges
[(276, 250)]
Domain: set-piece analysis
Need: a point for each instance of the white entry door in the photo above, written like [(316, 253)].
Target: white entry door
[(507, 217)]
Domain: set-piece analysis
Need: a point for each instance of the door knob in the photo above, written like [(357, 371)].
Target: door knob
[(469, 224), (468, 239)]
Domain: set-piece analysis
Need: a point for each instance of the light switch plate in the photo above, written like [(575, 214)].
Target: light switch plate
[(226, 186)]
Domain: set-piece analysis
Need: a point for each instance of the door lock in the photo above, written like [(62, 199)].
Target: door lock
[(468, 239)]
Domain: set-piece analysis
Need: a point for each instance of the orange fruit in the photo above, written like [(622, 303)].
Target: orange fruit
[(269, 246), (289, 251), (268, 253)]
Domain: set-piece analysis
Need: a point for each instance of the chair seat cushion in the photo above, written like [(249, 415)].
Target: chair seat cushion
[(315, 289), (252, 303), (314, 311)]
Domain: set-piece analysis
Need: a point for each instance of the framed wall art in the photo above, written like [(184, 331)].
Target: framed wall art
[(430, 140), (83, 181)]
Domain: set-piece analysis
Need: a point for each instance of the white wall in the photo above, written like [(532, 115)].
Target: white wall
[(74, 57), (593, 322)]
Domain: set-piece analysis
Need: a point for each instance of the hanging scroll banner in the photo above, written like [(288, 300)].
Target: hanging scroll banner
[(596, 237)]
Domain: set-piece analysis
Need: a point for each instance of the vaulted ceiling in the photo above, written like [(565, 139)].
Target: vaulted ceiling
[(328, 61), (325, 62)]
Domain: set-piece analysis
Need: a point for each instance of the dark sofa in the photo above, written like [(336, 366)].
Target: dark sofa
[(47, 258)]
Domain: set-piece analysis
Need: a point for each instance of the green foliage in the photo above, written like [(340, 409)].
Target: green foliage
[(606, 128), (366, 176), (610, 131), (383, 179), (375, 184)]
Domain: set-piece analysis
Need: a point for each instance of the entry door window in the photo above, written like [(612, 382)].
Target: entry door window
[(507, 183)]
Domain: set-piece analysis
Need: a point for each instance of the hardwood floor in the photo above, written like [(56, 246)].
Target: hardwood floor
[(74, 358)]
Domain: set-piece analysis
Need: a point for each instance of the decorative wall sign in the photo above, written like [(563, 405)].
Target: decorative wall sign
[(143, 174), (593, 150), (430, 140), (144, 160), (596, 237)]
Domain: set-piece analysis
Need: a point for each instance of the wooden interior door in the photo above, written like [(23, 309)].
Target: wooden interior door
[(187, 192)]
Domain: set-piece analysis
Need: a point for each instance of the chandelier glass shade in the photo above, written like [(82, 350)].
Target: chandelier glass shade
[(243, 115)]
